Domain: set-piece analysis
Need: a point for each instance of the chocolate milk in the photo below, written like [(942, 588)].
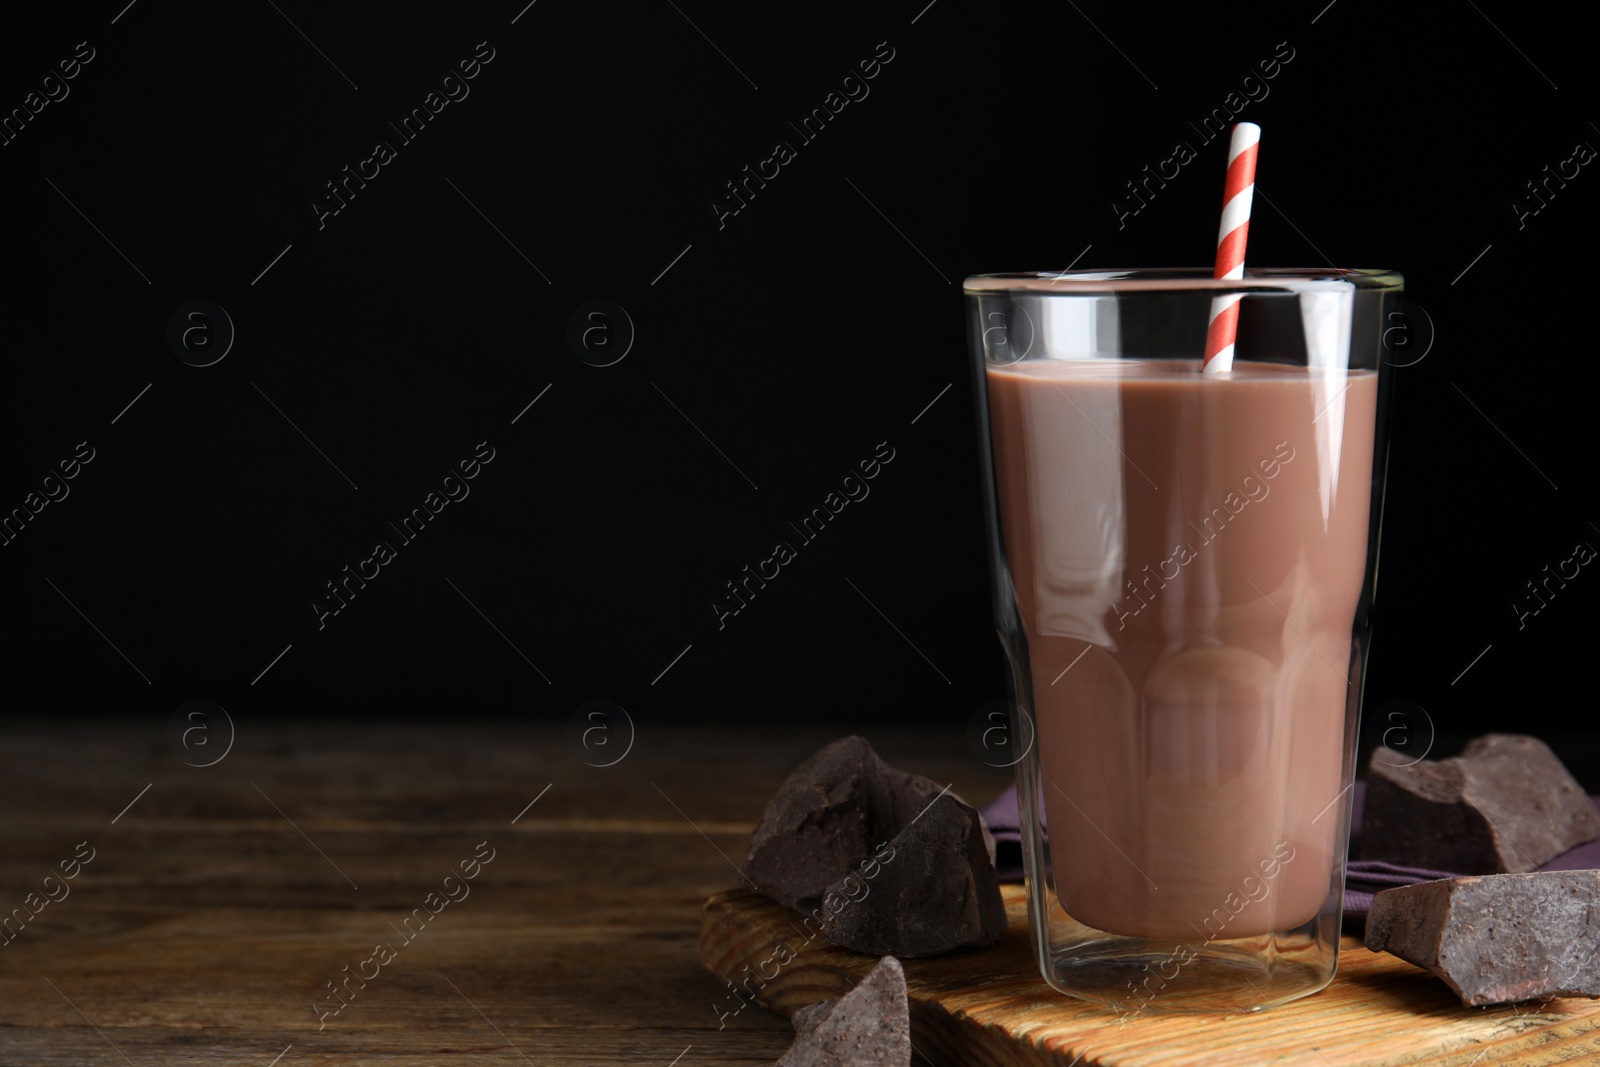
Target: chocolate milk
[(1186, 553)]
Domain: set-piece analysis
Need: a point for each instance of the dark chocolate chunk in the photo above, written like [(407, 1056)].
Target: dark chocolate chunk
[(878, 858), (933, 890), (1506, 804), (1497, 938), (805, 1018), (834, 810), (870, 1026)]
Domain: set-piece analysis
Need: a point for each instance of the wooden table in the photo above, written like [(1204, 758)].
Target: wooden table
[(988, 1007), (218, 905)]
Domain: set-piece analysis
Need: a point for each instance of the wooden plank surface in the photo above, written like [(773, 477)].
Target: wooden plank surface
[(218, 905), (990, 1008)]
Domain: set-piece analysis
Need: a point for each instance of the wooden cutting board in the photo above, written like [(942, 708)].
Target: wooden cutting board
[(989, 1007)]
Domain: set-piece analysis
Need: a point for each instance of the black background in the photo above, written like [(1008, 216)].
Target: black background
[(814, 324)]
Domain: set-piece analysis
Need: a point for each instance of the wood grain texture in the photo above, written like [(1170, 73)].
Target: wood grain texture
[(204, 928), (206, 925), (990, 1008)]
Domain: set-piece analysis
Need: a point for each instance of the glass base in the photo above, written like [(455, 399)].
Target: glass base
[(1133, 976)]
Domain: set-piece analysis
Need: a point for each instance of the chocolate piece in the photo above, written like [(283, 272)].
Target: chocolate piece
[(878, 859), (936, 892), (804, 1018), (1497, 938), (870, 1026), (834, 810), (1506, 804)]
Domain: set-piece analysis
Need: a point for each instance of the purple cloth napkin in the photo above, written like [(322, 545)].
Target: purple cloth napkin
[(1363, 878)]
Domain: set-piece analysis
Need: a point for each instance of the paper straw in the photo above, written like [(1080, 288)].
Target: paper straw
[(1237, 192)]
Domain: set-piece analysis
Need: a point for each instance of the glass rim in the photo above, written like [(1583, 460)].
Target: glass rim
[(1173, 279)]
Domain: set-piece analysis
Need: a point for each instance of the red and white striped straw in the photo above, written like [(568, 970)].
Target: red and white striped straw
[(1237, 192)]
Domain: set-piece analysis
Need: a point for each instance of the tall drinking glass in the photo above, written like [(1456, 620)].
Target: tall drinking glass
[(1183, 567)]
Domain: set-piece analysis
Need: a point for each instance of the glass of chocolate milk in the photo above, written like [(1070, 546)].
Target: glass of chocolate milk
[(1183, 568)]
